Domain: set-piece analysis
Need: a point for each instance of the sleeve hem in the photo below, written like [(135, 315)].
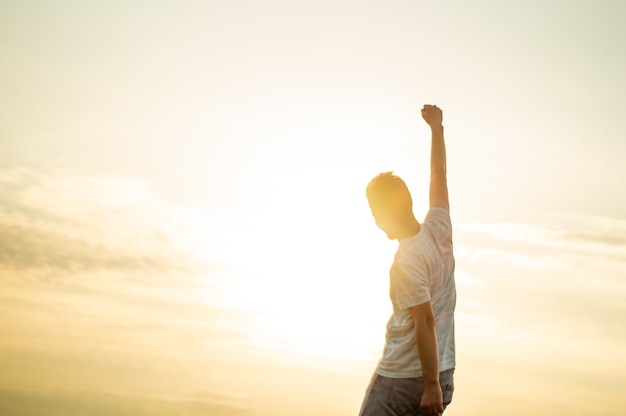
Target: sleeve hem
[(408, 305)]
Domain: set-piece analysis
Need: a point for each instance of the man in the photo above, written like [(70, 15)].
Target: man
[(415, 374)]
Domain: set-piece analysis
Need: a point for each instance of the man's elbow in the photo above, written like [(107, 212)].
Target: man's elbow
[(423, 316), (425, 322)]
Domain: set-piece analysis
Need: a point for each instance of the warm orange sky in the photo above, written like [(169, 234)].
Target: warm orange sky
[(182, 213)]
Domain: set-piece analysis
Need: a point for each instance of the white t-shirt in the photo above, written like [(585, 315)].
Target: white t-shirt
[(423, 270)]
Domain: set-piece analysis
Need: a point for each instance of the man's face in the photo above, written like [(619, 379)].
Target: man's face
[(385, 222)]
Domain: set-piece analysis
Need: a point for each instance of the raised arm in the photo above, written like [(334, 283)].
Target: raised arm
[(438, 181)]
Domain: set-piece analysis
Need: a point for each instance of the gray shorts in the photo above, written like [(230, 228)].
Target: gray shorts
[(401, 396)]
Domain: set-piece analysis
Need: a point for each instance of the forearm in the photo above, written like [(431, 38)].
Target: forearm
[(428, 351), (426, 337), (438, 180), (437, 153)]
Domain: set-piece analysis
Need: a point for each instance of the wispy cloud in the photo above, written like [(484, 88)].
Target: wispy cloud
[(58, 224), (104, 282), (543, 302), (80, 403), (109, 290), (27, 247)]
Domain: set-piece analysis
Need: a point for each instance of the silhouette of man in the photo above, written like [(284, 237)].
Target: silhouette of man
[(415, 374)]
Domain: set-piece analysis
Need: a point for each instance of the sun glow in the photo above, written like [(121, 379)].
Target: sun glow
[(313, 268), (311, 265)]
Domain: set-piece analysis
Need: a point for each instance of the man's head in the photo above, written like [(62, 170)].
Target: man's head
[(391, 203)]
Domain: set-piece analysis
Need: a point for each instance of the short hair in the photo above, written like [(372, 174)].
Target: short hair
[(388, 192)]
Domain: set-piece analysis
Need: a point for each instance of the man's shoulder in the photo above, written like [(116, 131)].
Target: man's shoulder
[(438, 221), (413, 251), (437, 214)]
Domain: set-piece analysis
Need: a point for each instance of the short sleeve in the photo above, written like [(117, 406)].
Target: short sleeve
[(439, 224), (409, 284)]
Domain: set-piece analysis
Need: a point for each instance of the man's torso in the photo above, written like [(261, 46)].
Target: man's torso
[(423, 270)]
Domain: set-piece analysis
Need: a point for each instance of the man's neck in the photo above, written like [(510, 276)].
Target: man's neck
[(411, 229)]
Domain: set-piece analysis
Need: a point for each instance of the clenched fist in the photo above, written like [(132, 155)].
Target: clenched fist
[(432, 115)]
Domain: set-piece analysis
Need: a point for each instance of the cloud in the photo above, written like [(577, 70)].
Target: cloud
[(62, 224), (107, 287), (84, 307), (540, 304), (81, 403), (615, 238), (551, 291), (26, 247), (568, 257), (561, 239)]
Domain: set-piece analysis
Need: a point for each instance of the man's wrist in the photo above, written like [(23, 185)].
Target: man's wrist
[(437, 127), (430, 378), (431, 383)]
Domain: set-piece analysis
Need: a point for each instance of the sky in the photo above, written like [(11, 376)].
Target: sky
[(183, 220)]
